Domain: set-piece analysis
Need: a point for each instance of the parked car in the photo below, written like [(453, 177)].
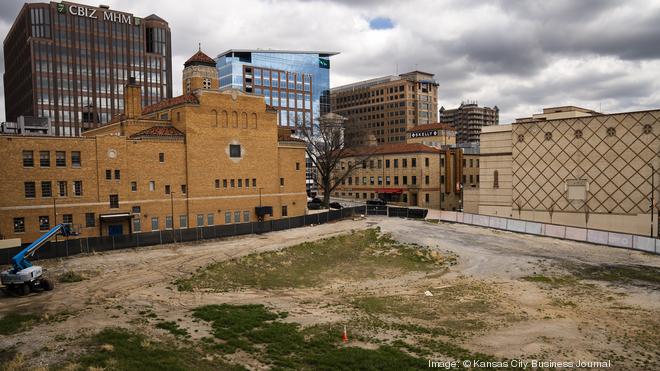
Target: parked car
[(335, 205), (377, 202), (314, 205)]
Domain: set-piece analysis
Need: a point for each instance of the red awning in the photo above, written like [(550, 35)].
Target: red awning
[(390, 190)]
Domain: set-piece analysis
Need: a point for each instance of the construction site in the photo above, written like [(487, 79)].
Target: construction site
[(360, 293)]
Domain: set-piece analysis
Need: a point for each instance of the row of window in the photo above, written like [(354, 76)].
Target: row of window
[(45, 159), (44, 222), (372, 180), (30, 188), (378, 164)]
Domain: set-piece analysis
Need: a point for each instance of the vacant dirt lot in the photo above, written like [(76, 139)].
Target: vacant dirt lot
[(476, 293)]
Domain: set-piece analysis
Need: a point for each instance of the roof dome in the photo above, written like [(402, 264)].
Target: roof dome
[(200, 59)]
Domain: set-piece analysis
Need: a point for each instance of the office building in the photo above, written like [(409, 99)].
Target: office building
[(205, 158), (69, 63), (295, 83), (381, 110), (574, 167), (468, 119)]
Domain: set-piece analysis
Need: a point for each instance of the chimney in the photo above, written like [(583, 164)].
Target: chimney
[(132, 99)]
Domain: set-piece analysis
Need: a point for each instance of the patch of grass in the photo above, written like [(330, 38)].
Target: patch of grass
[(173, 328), (255, 329), (14, 322), (355, 256), (554, 281), (70, 276), (121, 349), (639, 274)]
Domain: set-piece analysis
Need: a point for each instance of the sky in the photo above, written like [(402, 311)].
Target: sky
[(521, 55)]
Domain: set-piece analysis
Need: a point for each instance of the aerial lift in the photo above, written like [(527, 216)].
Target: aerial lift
[(24, 277)]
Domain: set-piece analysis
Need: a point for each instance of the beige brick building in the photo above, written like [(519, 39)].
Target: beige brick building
[(423, 172), (575, 167), (381, 110), (204, 158)]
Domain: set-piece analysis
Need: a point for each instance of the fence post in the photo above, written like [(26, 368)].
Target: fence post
[(160, 237), (113, 242)]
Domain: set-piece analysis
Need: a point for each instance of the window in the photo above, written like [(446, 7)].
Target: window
[(464, 163), (61, 185), (413, 162), (154, 223), (133, 186), (284, 211), (404, 162), (232, 183), (184, 188), (161, 157), (246, 216), (168, 222), (442, 162), (117, 174), (217, 183), (136, 209), (19, 225), (442, 180), (471, 179), (371, 180), (152, 185), (90, 220), (44, 158), (114, 201), (240, 183), (108, 174), (167, 189), (224, 183), (235, 150), (380, 180), (496, 180), (380, 164), (426, 179), (297, 165), (254, 182), (28, 159), (44, 223), (227, 217), (426, 198), (200, 220), (471, 163), (67, 218), (387, 180), (396, 180), (60, 158), (426, 162), (30, 189), (281, 182), (396, 163), (75, 159), (477, 162), (414, 179), (78, 188), (405, 180), (183, 221), (387, 164), (209, 219), (137, 225), (206, 83), (46, 189), (237, 216)]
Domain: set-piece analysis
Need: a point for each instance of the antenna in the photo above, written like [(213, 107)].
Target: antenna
[(200, 46)]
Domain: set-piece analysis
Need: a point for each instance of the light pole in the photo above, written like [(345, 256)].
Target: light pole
[(652, 194)]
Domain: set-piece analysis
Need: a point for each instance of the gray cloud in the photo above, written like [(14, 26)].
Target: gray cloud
[(520, 55)]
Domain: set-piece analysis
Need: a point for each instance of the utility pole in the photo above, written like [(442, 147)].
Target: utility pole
[(652, 194), (172, 217)]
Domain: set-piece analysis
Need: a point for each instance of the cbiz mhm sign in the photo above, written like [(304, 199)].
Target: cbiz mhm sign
[(94, 13)]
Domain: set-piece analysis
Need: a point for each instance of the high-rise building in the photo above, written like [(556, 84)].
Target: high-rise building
[(381, 110), (468, 119), (69, 63), (296, 83)]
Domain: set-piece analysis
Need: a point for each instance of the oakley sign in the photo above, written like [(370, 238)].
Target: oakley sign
[(106, 15)]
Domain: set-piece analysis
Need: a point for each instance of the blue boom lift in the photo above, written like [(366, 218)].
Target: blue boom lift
[(24, 277)]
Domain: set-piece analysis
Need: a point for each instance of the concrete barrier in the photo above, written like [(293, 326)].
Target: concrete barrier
[(577, 234), (516, 226), (620, 240), (498, 223), (534, 228), (460, 217), (644, 243), (468, 218), (557, 231), (599, 237)]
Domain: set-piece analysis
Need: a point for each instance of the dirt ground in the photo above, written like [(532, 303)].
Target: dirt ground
[(509, 295)]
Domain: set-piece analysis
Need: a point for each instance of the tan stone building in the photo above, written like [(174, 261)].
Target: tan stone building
[(381, 110), (575, 167), (204, 158), (423, 172)]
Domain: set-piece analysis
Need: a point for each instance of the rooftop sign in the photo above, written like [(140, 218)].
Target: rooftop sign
[(420, 134), (96, 13)]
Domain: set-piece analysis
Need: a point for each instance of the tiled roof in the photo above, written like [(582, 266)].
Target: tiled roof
[(167, 103), (387, 149), (158, 131), (200, 58), (436, 126)]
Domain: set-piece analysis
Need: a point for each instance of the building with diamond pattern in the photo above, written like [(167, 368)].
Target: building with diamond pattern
[(576, 167)]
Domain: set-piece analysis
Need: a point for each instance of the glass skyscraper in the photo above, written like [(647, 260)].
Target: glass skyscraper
[(296, 83)]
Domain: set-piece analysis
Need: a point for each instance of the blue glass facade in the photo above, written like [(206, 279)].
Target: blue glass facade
[(295, 83)]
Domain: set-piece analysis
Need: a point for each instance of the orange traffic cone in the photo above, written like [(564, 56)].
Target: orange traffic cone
[(344, 335)]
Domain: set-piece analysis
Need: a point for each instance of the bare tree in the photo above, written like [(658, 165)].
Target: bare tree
[(328, 153)]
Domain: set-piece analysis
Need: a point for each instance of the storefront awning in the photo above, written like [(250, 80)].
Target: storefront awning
[(390, 190), (115, 216)]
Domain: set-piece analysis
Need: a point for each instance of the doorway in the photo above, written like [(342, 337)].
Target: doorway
[(115, 230)]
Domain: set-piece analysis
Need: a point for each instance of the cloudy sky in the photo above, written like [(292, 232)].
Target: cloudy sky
[(519, 55)]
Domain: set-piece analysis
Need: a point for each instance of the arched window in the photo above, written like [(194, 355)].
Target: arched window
[(234, 119), (254, 121), (215, 113), (496, 179), (244, 120), (225, 119)]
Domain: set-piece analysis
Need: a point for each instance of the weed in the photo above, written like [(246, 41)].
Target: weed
[(15, 322), (173, 328), (70, 276)]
